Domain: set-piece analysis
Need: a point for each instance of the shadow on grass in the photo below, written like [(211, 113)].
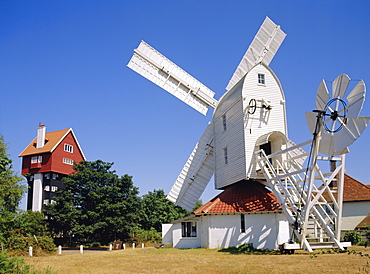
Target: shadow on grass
[(249, 249)]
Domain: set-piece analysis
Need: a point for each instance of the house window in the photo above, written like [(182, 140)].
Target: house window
[(261, 79), (67, 161), (68, 148), (47, 188), (224, 121), (36, 159), (46, 201), (242, 223), (53, 202), (189, 229), (47, 176), (54, 188), (225, 156), (55, 176)]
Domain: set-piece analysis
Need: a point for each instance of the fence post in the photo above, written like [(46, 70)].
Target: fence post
[(142, 245), (59, 250), (30, 251), (133, 245), (124, 246), (81, 249), (110, 247)]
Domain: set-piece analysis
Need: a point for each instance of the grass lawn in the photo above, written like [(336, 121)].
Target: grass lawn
[(151, 260)]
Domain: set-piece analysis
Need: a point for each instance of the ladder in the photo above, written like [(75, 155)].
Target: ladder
[(312, 206)]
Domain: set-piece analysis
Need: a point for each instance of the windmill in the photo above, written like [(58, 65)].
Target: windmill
[(254, 105), (247, 138)]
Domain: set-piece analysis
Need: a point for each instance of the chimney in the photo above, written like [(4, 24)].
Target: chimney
[(333, 166), (40, 142)]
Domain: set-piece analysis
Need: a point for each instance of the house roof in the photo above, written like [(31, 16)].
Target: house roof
[(365, 222), (354, 190), (244, 196), (52, 140)]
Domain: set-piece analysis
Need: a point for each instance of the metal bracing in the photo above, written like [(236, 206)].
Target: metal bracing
[(310, 198)]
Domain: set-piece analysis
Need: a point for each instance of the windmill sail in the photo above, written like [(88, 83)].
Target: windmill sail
[(161, 71), (262, 49), (196, 173)]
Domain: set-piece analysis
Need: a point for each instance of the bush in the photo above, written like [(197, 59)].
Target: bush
[(17, 265), (13, 265), (144, 236), (20, 245), (352, 236)]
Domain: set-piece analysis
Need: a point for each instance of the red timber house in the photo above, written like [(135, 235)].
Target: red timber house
[(45, 161)]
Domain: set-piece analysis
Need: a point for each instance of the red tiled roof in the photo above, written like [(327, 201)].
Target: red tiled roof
[(354, 190), (51, 140), (244, 196)]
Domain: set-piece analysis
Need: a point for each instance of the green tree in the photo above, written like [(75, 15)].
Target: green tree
[(198, 204), (96, 206), (11, 192), (31, 223), (156, 210)]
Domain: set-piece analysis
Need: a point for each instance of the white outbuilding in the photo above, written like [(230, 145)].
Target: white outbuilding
[(242, 213)]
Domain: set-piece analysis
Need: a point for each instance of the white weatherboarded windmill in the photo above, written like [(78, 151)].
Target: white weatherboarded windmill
[(248, 140)]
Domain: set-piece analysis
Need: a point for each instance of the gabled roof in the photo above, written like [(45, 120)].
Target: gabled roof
[(52, 140), (244, 196), (365, 222), (354, 190)]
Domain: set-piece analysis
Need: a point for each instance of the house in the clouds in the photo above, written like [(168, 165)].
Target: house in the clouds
[(45, 161)]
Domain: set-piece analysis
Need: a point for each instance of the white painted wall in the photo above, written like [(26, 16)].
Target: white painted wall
[(262, 121), (354, 213), (243, 129), (232, 138), (222, 231), (186, 242), (37, 192), (263, 230), (167, 233)]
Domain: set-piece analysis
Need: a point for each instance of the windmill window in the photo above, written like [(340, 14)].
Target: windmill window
[(226, 156), (242, 223), (224, 121), (188, 229), (68, 148), (261, 79)]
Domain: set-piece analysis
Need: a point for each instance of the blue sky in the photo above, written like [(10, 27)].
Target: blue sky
[(63, 63)]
